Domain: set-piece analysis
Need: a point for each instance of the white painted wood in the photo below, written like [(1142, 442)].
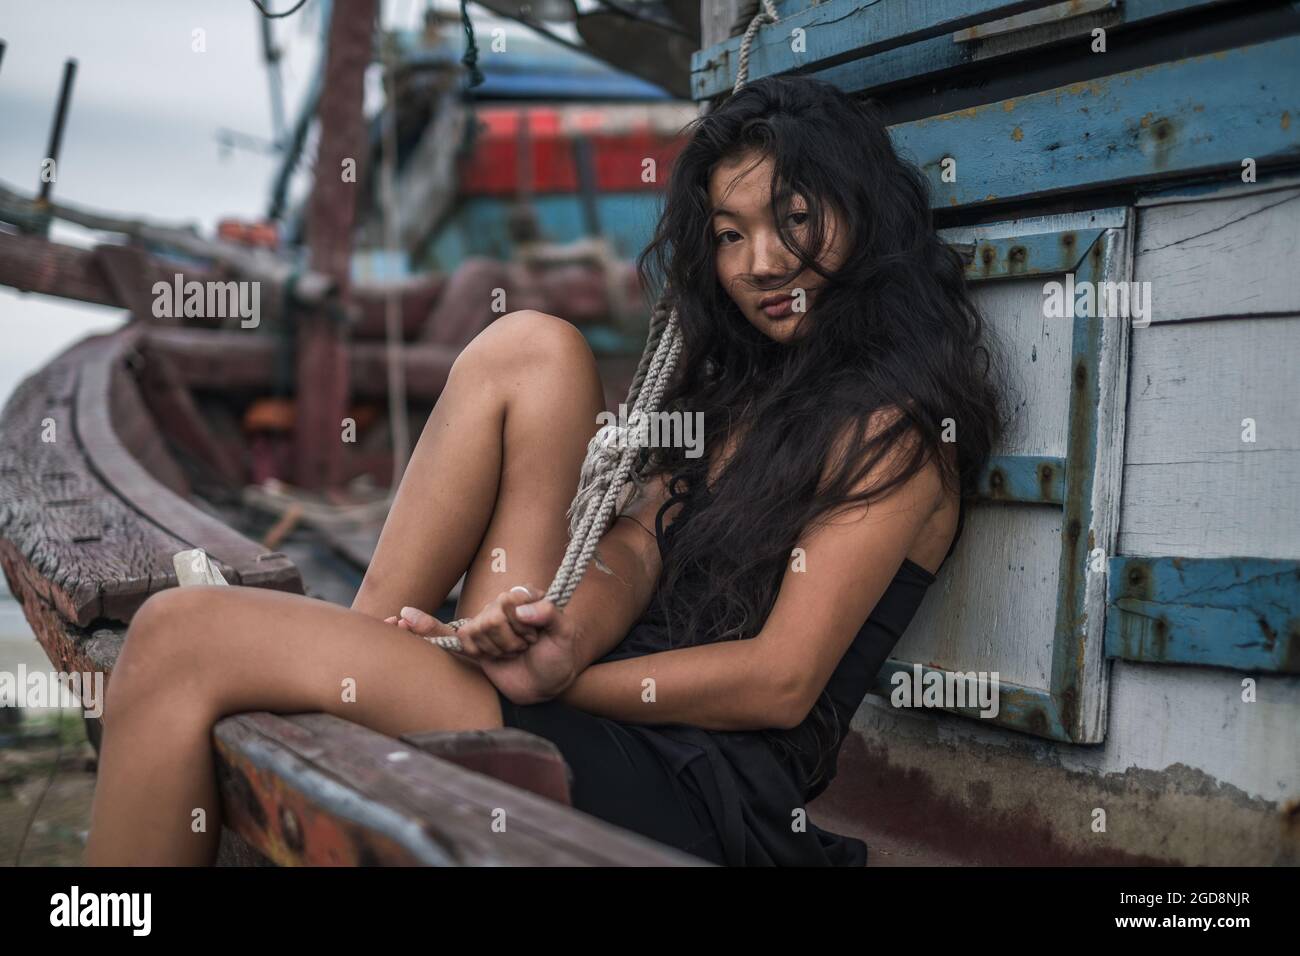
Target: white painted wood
[(1192, 487), (1102, 533), (1233, 254), (1113, 217), (993, 607), (716, 18), (1037, 351), (1163, 194)]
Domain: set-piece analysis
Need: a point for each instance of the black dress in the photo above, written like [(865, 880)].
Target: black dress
[(731, 797)]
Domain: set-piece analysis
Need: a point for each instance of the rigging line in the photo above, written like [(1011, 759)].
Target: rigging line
[(276, 16), (614, 7), (536, 27)]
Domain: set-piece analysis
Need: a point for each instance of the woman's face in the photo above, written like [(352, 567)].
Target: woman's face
[(748, 248)]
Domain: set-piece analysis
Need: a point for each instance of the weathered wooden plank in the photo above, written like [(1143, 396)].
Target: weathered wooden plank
[(1120, 129), (32, 264), (317, 790), (174, 408), (244, 561), (232, 361), (993, 607), (717, 19), (68, 646), (1219, 257), (945, 62), (1242, 613), (74, 542), (1195, 484), (838, 31), (510, 755), (1025, 479), (1000, 580), (1038, 352), (138, 431)]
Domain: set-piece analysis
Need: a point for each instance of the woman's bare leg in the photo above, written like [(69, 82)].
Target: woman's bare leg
[(493, 473), (196, 654), (494, 469)]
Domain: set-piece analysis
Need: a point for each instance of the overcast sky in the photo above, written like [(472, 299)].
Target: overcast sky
[(141, 131)]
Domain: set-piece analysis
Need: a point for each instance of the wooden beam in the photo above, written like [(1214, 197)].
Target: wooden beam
[(82, 522), (231, 361), (316, 790), (33, 264), (243, 561), (322, 395), (1238, 613)]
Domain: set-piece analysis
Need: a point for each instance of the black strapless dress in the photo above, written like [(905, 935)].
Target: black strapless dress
[(731, 797)]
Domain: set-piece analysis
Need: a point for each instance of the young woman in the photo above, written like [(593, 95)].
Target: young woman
[(699, 689)]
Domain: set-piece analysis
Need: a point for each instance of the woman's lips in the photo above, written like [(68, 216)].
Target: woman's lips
[(780, 308)]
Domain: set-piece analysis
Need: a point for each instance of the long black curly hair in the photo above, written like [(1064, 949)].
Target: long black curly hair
[(892, 328)]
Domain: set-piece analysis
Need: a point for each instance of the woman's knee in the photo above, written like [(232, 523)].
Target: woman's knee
[(160, 641), (531, 341)]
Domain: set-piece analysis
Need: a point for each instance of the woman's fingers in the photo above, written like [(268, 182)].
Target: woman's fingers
[(522, 594), (420, 622), (495, 630), (539, 614)]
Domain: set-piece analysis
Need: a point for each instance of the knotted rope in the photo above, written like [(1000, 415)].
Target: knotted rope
[(610, 465)]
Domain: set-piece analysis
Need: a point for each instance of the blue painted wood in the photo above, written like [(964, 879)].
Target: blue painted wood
[(887, 58), (1024, 479), (841, 30), (1047, 253), (1201, 112), (1241, 613)]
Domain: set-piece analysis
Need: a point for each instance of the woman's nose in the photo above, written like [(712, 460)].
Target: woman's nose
[(769, 256)]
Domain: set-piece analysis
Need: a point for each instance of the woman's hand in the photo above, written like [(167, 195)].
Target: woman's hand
[(525, 646)]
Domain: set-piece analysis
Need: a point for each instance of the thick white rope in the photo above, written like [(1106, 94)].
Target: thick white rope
[(765, 15)]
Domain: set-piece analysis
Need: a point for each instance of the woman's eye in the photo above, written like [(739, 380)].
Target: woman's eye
[(801, 221), (720, 237)]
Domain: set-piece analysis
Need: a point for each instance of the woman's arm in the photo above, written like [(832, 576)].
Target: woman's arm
[(732, 685), (773, 679), (605, 606)]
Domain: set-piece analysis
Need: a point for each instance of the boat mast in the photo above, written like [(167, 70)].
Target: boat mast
[(322, 365)]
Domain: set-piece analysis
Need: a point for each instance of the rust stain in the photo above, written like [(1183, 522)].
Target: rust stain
[(1286, 119), (1017, 259), (1045, 475), (1017, 134)]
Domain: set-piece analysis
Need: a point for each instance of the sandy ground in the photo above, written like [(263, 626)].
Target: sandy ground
[(46, 790), (36, 774)]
